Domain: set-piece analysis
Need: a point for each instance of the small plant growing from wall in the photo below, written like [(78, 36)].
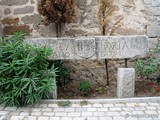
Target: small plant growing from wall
[(105, 15), (58, 11), (84, 87), (64, 103)]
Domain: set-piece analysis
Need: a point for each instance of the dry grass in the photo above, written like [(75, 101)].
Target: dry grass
[(57, 11), (105, 15)]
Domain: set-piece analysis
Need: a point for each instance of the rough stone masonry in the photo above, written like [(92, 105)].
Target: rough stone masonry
[(137, 17)]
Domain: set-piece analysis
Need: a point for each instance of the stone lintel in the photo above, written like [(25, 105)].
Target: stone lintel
[(95, 47)]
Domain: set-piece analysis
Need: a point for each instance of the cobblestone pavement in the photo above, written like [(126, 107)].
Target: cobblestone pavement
[(100, 109)]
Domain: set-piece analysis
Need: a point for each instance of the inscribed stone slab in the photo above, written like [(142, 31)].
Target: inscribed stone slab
[(99, 47), (121, 46)]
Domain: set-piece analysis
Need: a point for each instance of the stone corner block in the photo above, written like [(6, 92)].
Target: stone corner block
[(153, 30), (25, 10), (13, 2)]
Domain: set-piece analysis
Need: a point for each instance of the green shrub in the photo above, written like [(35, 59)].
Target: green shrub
[(99, 90), (63, 74), (64, 103), (24, 74), (84, 102), (84, 87), (146, 67)]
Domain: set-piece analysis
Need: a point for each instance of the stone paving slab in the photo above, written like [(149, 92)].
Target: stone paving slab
[(99, 109)]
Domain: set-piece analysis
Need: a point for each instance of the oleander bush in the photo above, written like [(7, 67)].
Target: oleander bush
[(64, 73), (25, 76)]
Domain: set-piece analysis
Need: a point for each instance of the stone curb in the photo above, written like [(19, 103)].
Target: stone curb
[(102, 101)]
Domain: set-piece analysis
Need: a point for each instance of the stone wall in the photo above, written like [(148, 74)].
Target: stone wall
[(127, 19), (130, 17), (153, 28)]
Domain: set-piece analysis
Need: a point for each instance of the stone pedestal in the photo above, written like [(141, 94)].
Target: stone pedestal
[(125, 82)]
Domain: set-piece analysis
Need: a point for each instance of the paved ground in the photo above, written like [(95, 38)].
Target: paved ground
[(103, 109)]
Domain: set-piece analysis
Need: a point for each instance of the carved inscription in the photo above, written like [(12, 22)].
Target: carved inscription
[(62, 49), (85, 48), (128, 84), (120, 48), (98, 47), (112, 49)]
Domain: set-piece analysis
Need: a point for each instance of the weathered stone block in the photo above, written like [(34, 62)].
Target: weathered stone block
[(33, 19), (10, 21), (100, 47), (7, 11), (154, 19), (152, 2), (11, 29), (46, 31), (27, 9), (125, 82), (62, 48), (121, 46), (153, 11), (13, 2), (153, 30), (152, 42)]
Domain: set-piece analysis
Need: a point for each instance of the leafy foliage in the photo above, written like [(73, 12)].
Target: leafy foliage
[(99, 90), (84, 102), (64, 103), (84, 87), (24, 74), (57, 11), (63, 74), (148, 66)]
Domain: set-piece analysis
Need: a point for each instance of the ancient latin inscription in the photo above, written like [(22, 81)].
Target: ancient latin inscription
[(122, 47), (62, 49)]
